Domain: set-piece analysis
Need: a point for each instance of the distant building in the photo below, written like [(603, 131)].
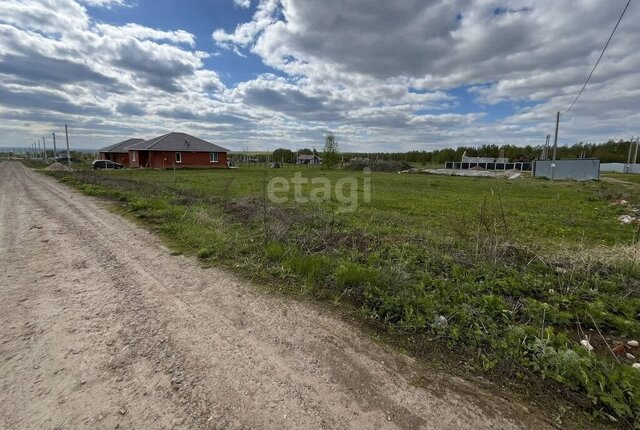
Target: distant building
[(522, 158), (483, 160), (118, 152), (177, 150), (308, 159), (488, 163)]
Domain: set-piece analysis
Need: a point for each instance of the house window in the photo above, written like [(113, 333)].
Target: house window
[(178, 157), (213, 157)]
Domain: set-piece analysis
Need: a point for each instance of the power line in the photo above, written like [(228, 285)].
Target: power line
[(599, 58)]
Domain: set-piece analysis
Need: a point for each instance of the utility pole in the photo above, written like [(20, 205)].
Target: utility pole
[(545, 149), (635, 154), (55, 150), (66, 132), (628, 167), (44, 145), (555, 147), (39, 149)]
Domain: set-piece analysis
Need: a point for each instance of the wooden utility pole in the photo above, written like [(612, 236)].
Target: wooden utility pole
[(39, 149), (66, 132), (44, 145), (555, 147), (635, 154), (55, 150)]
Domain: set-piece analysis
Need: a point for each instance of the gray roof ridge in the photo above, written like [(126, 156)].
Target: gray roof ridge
[(159, 139), (117, 144)]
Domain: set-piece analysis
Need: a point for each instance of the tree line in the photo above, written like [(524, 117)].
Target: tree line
[(609, 152)]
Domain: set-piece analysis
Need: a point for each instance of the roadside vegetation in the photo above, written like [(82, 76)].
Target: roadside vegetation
[(510, 275)]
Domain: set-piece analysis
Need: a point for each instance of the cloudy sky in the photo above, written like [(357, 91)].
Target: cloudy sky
[(262, 74)]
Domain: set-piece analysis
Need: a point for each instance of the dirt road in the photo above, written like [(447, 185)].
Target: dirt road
[(101, 327)]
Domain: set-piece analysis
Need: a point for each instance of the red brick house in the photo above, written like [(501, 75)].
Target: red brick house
[(178, 150), (118, 152)]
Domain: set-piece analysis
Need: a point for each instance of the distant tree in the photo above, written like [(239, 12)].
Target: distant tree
[(305, 151), (331, 153), (283, 155)]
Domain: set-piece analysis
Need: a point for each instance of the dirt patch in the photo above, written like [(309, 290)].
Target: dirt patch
[(58, 167)]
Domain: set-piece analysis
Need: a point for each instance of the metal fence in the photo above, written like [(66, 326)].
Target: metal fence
[(581, 169), (488, 166), (620, 168)]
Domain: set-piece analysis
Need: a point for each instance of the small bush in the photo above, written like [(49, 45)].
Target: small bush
[(206, 253)]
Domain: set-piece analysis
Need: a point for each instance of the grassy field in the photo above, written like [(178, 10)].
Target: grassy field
[(511, 275)]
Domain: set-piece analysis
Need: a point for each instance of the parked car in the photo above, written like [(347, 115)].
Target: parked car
[(64, 159), (106, 164)]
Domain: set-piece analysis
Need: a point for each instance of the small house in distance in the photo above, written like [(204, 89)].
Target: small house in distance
[(308, 159), (118, 152), (177, 150), (522, 158)]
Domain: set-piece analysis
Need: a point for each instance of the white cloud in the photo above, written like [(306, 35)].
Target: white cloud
[(246, 33), (104, 3), (44, 16), (145, 33), (244, 4)]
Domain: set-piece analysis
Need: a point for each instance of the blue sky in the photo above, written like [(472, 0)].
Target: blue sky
[(263, 74)]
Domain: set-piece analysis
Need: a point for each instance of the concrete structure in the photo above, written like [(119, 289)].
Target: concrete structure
[(483, 160), (488, 163), (308, 159), (177, 150), (118, 152), (487, 166), (580, 169)]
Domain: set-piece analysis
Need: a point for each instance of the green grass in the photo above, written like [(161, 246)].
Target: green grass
[(536, 211), (509, 274), (622, 177)]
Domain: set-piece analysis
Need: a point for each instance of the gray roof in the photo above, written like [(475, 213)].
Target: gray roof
[(177, 142), (307, 157), (121, 146)]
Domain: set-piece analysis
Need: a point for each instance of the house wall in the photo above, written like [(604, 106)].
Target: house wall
[(118, 157), (166, 160), (138, 158), (134, 159)]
